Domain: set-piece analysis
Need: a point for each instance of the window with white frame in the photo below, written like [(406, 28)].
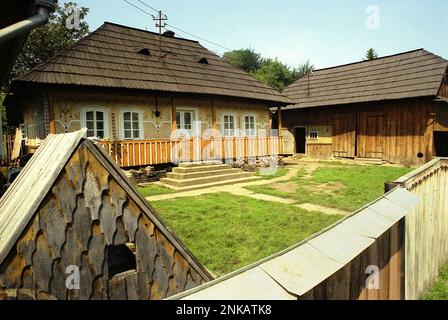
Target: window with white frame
[(184, 120), (249, 126), (96, 120), (229, 125), (313, 135), (132, 125)]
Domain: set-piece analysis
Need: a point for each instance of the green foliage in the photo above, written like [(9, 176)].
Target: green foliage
[(244, 59), (152, 190), (270, 71), (2, 107), (48, 40), (439, 290), (275, 74), (371, 54), (342, 187), (227, 232)]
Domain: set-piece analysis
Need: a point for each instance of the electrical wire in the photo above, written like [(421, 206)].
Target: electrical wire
[(174, 27)]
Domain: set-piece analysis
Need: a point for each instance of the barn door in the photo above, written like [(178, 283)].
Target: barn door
[(344, 135), (372, 135)]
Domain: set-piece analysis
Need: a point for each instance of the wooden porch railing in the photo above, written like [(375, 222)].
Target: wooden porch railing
[(134, 153)]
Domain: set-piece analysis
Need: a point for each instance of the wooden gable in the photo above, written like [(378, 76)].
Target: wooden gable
[(90, 208)]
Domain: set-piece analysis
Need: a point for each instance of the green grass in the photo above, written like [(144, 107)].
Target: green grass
[(154, 190), (343, 187), (268, 175), (439, 290), (227, 232)]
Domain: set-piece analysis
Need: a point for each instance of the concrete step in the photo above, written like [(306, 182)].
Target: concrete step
[(199, 164), (205, 180), (192, 175), (213, 184), (370, 161), (204, 168)]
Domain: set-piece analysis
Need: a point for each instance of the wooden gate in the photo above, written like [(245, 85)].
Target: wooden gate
[(344, 135), (372, 135)]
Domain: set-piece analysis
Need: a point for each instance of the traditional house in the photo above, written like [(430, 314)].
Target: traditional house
[(393, 109), (144, 91), (84, 232)]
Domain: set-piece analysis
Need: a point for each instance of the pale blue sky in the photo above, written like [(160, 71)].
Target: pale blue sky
[(328, 32)]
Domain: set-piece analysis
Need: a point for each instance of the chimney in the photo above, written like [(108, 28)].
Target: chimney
[(169, 34)]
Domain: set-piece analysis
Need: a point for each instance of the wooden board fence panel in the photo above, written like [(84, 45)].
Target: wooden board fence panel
[(136, 153), (426, 226), (7, 145)]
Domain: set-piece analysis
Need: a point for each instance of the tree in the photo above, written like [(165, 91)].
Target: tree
[(371, 54), (48, 40), (303, 70), (275, 74), (244, 59)]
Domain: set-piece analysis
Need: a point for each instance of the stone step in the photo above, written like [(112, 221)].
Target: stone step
[(184, 170), (213, 184), (199, 164), (370, 160), (205, 180), (192, 175)]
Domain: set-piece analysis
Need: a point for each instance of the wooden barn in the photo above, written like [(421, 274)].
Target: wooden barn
[(82, 218), (393, 109), (144, 92)]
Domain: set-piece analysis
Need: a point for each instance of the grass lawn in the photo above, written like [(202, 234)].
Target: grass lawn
[(439, 290), (227, 232), (152, 190), (343, 187)]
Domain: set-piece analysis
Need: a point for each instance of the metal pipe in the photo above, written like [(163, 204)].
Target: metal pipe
[(25, 26)]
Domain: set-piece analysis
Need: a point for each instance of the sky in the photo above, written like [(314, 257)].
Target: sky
[(326, 32)]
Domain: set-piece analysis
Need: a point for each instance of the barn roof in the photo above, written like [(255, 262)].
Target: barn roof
[(413, 74), (26, 194), (295, 271), (116, 56)]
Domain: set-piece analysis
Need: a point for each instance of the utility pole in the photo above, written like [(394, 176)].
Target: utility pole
[(160, 23)]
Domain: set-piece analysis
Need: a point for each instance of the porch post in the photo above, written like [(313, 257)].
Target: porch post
[(173, 118), (280, 131), (51, 110)]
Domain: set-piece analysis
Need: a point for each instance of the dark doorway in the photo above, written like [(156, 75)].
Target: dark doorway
[(441, 143), (300, 136)]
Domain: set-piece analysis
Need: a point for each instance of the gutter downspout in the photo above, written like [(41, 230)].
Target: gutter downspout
[(25, 26)]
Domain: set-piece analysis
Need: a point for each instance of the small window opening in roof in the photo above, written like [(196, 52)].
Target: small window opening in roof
[(203, 61), (145, 51), (121, 259)]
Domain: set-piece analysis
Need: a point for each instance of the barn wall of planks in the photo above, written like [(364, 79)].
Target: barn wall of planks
[(398, 131), (426, 226)]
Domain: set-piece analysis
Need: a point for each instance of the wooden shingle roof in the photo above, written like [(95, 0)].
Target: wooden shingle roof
[(109, 57), (411, 74)]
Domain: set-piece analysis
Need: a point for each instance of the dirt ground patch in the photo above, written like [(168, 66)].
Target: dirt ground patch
[(288, 187)]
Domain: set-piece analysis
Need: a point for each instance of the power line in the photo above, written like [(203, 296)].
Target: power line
[(137, 7), (147, 5), (198, 37), (176, 28)]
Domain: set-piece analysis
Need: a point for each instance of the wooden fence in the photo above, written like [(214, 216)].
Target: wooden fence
[(7, 147), (134, 153), (426, 226)]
